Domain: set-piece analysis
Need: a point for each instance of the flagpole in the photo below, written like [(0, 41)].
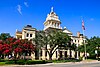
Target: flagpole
[(83, 28), (84, 44)]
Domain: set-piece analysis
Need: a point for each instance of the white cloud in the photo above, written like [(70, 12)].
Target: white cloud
[(25, 3), (19, 9)]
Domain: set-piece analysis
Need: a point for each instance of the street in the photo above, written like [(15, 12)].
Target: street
[(93, 64)]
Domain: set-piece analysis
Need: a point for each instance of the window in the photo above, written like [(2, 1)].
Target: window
[(30, 39), (66, 54), (61, 54), (45, 53), (75, 40), (41, 53), (56, 54), (55, 24), (78, 41), (26, 39), (30, 35), (84, 41), (27, 35)]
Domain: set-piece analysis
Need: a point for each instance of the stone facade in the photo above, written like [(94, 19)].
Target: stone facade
[(53, 22)]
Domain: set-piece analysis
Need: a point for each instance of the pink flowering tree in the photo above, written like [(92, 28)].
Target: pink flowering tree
[(16, 47), (22, 46)]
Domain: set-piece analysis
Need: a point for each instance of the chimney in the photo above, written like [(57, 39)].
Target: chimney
[(78, 34)]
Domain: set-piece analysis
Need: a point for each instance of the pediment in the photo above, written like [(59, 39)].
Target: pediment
[(67, 31)]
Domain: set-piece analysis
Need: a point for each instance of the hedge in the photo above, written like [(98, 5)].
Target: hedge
[(23, 62)]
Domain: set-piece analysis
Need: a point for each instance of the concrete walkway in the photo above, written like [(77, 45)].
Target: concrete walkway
[(50, 64)]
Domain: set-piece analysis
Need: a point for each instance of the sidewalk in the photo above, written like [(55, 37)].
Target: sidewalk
[(84, 61), (89, 61), (50, 64)]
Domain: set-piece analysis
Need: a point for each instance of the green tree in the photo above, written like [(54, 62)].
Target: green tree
[(57, 40), (39, 40), (4, 36), (74, 48), (54, 39), (92, 44)]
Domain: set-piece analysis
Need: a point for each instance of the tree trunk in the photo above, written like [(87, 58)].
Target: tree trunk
[(37, 54), (70, 53), (50, 56), (40, 54), (2, 56)]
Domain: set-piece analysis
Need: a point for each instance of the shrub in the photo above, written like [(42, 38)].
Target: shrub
[(35, 62), (10, 62), (29, 62), (1, 60), (63, 61), (21, 62)]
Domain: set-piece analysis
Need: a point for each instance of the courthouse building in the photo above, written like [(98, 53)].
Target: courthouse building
[(52, 22)]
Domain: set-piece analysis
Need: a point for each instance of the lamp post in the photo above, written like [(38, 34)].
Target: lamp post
[(96, 52), (77, 51)]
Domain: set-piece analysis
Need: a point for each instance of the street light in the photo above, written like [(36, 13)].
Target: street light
[(77, 51), (96, 52)]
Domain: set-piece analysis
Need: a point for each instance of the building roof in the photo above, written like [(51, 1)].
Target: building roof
[(18, 32), (51, 28), (75, 37), (29, 27), (65, 30), (52, 16)]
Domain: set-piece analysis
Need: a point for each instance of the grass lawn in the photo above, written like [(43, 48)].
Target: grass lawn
[(2, 63), (89, 60)]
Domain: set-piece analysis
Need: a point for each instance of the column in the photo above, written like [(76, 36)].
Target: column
[(33, 56), (59, 25), (50, 24), (56, 25), (77, 55), (43, 54)]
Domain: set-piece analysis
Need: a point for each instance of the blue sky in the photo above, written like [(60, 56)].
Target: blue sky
[(15, 14)]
